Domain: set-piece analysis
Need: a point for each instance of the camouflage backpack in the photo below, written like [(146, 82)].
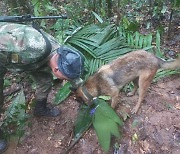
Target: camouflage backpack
[(23, 47)]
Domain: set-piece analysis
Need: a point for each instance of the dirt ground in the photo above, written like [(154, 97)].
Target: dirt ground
[(154, 130)]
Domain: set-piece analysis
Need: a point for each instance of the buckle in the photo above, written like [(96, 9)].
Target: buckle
[(14, 58)]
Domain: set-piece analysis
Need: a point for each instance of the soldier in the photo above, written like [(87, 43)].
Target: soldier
[(27, 49)]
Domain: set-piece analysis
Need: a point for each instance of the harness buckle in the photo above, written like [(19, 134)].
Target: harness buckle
[(14, 58)]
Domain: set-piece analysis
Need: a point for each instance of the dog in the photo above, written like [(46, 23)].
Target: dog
[(139, 66)]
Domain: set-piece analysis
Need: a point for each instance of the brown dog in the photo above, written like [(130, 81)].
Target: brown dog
[(137, 66)]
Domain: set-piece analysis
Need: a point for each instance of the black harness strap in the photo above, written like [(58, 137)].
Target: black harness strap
[(87, 94)]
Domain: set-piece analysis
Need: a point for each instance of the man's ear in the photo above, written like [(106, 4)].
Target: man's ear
[(55, 69)]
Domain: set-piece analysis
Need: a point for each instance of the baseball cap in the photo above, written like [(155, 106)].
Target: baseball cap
[(70, 62)]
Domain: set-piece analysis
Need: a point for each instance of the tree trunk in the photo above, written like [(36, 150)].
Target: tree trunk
[(109, 7)]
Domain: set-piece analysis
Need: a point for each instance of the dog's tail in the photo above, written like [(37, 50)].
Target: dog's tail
[(172, 64)]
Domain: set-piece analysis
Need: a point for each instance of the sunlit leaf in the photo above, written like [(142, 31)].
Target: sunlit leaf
[(158, 40), (137, 35), (164, 9), (97, 17), (106, 98), (149, 38), (141, 40)]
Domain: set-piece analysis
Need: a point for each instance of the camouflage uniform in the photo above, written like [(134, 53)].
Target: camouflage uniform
[(24, 48)]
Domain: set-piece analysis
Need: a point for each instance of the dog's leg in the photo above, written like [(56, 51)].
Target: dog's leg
[(144, 82), (135, 82), (115, 97)]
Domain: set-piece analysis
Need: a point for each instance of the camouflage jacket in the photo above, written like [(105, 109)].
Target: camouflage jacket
[(24, 48)]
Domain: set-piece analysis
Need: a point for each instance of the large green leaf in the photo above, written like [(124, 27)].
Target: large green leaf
[(83, 122), (106, 123), (103, 133), (63, 93), (107, 111)]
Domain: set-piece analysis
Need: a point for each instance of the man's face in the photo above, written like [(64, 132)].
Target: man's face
[(53, 63)]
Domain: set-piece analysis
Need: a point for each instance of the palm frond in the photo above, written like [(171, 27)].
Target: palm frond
[(99, 43)]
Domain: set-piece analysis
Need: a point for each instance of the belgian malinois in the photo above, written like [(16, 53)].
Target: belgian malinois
[(137, 66)]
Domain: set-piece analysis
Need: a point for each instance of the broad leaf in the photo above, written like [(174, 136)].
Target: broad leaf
[(63, 93), (106, 123), (83, 122), (107, 111)]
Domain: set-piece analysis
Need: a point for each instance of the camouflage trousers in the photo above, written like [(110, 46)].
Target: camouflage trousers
[(44, 81), (42, 77)]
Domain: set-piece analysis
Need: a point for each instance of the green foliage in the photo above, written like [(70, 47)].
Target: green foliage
[(62, 28), (164, 73), (140, 41), (129, 87), (175, 3), (159, 54), (43, 7), (98, 17), (83, 122), (99, 43), (130, 25), (106, 123), (7, 83), (63, 93), (15, 117)]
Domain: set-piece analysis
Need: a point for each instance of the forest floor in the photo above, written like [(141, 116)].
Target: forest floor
[(156, 127)]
